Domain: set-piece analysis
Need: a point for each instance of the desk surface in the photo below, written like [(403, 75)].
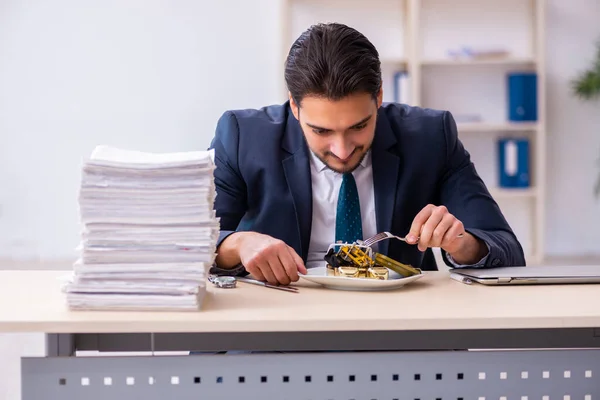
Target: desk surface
[(31, 301)]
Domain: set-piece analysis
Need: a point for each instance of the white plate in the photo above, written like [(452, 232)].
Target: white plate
[(319, 275)]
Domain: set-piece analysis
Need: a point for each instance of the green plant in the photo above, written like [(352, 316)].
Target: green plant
[(586, 86)]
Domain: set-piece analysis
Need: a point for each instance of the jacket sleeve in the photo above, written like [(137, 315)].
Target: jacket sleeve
[(465, 195), (230, 202)]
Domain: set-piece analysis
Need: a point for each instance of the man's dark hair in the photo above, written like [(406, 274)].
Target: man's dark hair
[(332, 61)]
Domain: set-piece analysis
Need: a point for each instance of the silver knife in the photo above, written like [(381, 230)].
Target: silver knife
[(266, 284)]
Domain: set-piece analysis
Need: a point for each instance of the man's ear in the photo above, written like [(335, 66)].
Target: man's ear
[(380, 97), (294, 106)]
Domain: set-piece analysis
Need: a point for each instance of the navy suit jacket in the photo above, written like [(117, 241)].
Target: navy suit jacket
[(263, 180)]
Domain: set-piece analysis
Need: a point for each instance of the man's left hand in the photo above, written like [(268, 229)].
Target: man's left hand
[(434, 226)]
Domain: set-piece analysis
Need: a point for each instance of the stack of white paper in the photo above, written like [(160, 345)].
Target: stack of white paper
[(150, 231)]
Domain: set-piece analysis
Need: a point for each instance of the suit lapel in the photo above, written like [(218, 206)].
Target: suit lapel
[(386, 166), (296, 167)]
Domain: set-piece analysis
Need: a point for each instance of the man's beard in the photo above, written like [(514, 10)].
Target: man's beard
[(343, 171)]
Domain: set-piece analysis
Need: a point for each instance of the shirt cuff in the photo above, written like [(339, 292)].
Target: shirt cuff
[(479, 264)]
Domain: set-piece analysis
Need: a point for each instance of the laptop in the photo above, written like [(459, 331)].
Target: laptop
[(529, 275)]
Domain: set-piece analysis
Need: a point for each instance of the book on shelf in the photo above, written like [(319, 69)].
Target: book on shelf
[(402, 87)]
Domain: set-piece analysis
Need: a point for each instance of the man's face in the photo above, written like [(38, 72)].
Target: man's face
[(339, 132)]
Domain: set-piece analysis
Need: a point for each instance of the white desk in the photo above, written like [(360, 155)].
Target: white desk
[(386, 331)]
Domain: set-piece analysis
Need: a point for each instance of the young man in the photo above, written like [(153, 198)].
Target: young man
[(334, 163)]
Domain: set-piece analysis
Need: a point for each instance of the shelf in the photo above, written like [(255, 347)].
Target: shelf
[(516, 193), (491, 61), (497, 127)]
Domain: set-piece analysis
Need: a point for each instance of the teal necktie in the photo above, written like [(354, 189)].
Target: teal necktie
[(348, 224)]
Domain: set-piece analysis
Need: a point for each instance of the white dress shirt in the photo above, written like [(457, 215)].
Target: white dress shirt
[(326, 185)]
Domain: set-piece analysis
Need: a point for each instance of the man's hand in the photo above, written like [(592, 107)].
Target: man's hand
[(434, 226), (266, 258)]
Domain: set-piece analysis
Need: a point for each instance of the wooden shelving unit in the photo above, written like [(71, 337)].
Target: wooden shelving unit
[(416, 36), (514, 193), (497, 127)]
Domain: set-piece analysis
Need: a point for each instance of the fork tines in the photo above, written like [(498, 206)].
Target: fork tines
[(375, 238)]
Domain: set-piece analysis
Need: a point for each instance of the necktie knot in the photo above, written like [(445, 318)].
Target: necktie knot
[(348, 226)]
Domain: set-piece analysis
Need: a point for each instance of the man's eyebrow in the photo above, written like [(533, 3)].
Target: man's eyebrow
[(352, 126)]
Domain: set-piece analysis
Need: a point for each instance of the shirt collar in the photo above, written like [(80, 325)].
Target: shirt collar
[(320, 165)]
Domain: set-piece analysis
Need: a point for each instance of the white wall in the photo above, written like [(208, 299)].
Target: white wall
[(145, 74), (156, 74), (573, 214)]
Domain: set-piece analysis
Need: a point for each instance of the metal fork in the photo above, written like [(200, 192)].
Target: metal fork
[(386, 235)]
